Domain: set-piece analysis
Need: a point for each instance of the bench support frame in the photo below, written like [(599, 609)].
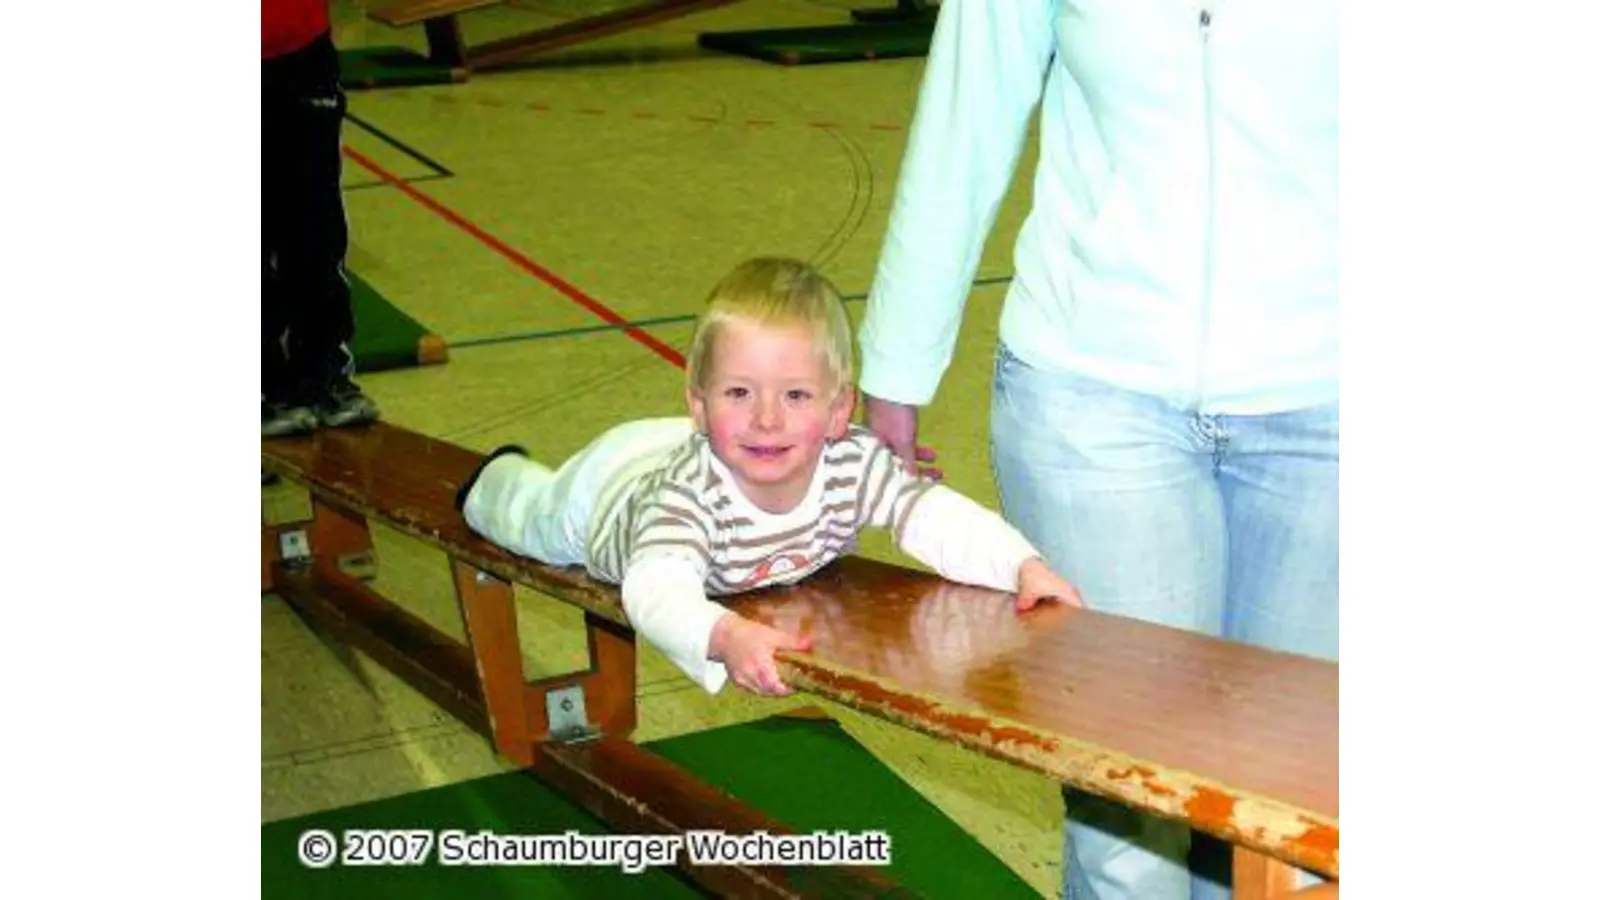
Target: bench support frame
[(326, 575)]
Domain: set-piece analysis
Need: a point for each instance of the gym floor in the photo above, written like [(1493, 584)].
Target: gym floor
[(505, 214)]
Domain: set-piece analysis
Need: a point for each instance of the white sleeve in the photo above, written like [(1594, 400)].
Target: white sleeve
[(984, 75), (665, 599), (964, 541)]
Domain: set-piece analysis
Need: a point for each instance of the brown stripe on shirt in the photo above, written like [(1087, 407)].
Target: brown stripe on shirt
[(702, 510), (766, 549), (907, 501), (698, 548), (765, 540), (880, 476)]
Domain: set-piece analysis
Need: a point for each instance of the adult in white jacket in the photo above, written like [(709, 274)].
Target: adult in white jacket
[(1165, 419)]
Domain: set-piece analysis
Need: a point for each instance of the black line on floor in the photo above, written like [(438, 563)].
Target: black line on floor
[(400, 145), (388, 739), (367, 185)]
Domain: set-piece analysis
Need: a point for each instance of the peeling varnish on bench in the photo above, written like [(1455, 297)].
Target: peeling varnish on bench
[(864, 693), (1258, 823)]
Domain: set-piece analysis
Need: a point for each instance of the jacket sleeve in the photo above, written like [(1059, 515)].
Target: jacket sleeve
[(984, 76)]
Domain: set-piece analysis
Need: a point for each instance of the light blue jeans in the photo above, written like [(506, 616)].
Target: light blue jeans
[(1227, 525)]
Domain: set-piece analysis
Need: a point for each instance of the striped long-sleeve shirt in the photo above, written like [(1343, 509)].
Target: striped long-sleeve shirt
[(680, 532), (689, 506)]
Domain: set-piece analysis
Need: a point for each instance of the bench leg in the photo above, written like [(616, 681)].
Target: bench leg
[(607, 687), (611, 692), (519, 711), (269, 557), (340, 542), (1260, 877), (445, 46), (335, 541), (491, 620)]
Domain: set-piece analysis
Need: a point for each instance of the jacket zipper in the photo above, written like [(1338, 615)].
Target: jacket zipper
[(1209, 241)]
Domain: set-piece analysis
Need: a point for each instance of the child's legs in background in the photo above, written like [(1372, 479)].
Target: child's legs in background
[(302, 109), (1117, 491), (277, 380), (276, 105)]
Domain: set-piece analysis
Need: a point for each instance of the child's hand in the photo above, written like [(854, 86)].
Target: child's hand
[(1035, 581), (747, 649)]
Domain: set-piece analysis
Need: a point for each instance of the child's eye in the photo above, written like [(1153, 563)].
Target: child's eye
[(798, 395), (736, 393)]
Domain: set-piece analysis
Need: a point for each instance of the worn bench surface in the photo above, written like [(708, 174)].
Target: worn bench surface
[(446, 45), (1238, 741), (409, 12), (408, 482)]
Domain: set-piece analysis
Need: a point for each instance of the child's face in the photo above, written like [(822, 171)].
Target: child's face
[(767, 410)]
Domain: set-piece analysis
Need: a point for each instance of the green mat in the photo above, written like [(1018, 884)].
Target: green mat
[(387, 338), (806, 773), (375, 67), (832, 43)]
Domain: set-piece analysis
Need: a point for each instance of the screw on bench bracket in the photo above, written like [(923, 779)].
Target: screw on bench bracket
[(569, 723), (294, 547)]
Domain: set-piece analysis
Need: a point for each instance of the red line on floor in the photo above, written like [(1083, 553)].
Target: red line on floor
[(522, 262), (542, 106)]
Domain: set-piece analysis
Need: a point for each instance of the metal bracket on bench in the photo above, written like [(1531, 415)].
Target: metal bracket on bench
[(294, 547), (295, 552), (569, 723)]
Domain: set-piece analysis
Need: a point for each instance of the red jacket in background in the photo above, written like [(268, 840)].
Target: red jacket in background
[(288, 25)]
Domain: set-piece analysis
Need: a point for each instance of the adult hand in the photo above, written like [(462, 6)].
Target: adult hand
[(896, 423)]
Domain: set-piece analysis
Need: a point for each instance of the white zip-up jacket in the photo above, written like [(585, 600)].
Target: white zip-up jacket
[(1183, 235)]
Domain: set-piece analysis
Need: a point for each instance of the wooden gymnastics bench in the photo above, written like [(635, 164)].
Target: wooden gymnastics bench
[(442, 27), (1236, 741)]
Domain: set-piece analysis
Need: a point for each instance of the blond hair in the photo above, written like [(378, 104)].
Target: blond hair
[(776, 292)]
